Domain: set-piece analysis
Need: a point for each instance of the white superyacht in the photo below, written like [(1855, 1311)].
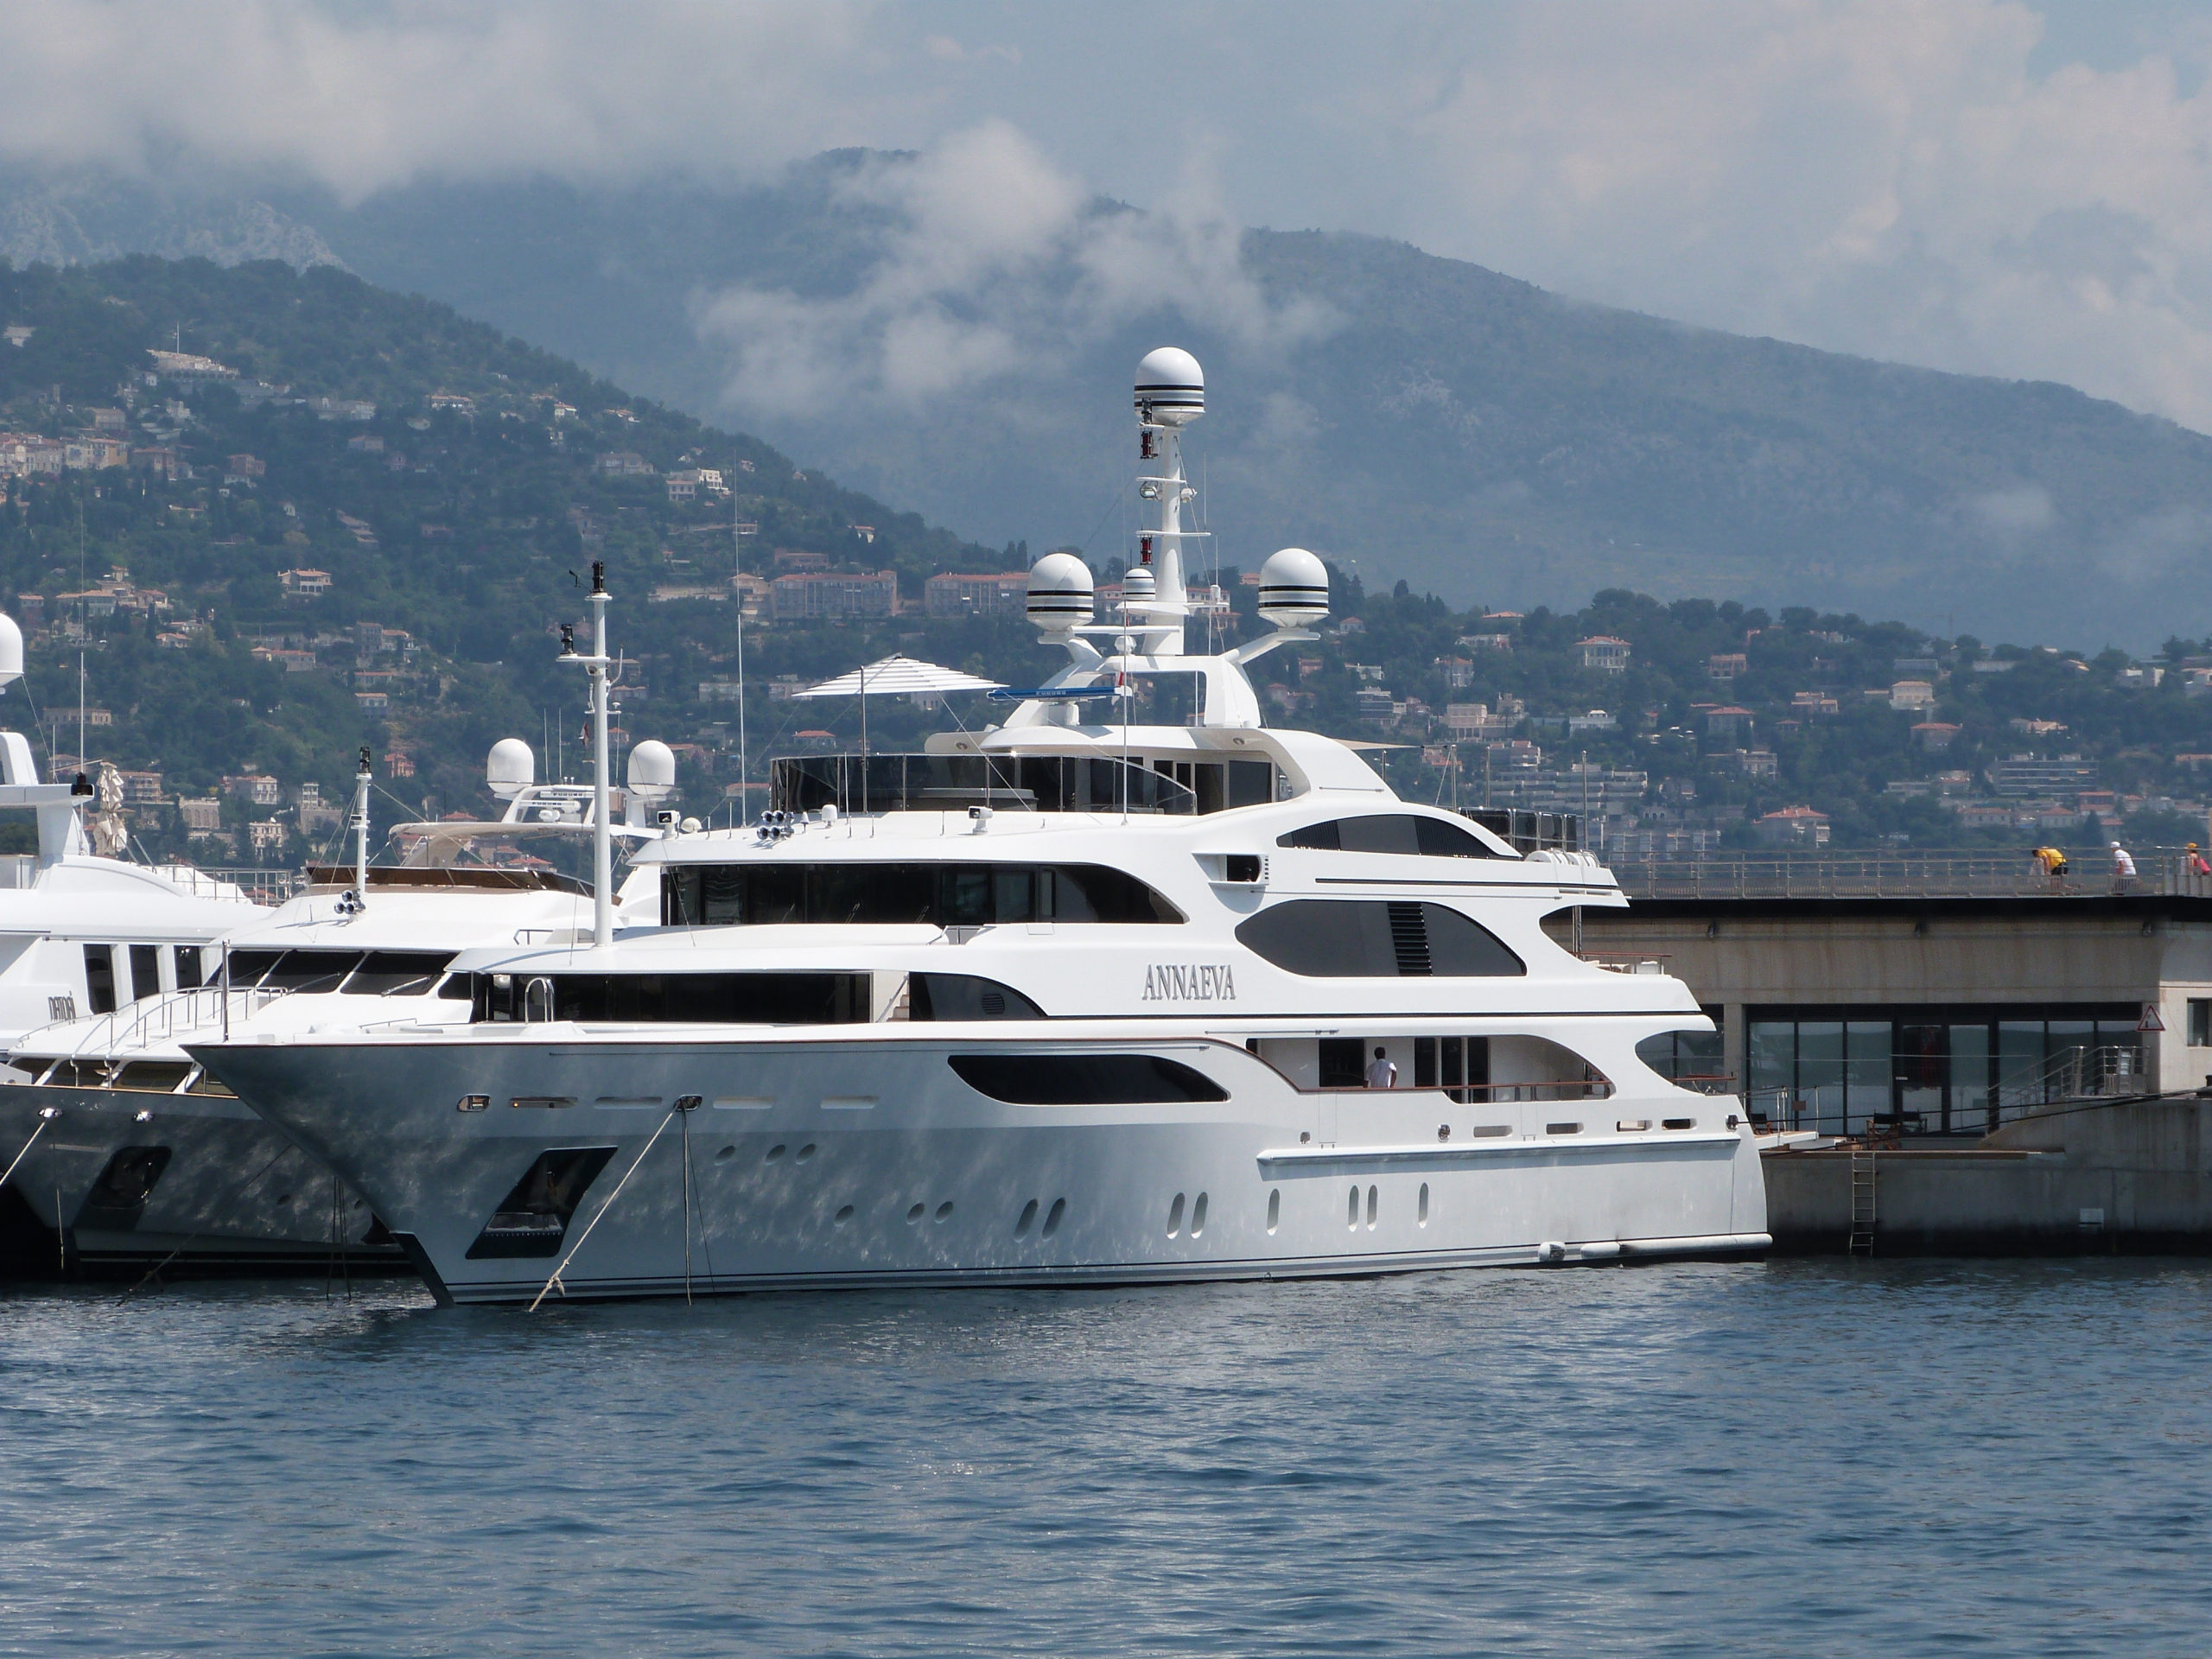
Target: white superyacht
[(1072, 1000)]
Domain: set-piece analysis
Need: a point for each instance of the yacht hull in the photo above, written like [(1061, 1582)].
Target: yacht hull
[(201, 1180), (871, 1162)]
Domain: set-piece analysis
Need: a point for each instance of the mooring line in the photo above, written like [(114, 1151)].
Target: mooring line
[(46, 1115), (556, 1279), (687, 1205)]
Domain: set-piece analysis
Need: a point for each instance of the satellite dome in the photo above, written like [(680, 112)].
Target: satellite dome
[(11, 651), (653, 770), (1138, 584), (512, 768), (1171, 387), (1060, 593), (1293, 588)]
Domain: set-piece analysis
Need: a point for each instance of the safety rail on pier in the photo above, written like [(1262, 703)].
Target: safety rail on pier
[(2160, 870)]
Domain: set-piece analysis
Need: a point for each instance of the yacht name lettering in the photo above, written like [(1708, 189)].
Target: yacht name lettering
[(1205, 983)]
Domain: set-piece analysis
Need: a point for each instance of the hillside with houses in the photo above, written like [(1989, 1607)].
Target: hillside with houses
[(280, 516)]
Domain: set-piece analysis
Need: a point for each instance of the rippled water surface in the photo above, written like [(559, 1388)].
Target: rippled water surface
[(1800, 1458)]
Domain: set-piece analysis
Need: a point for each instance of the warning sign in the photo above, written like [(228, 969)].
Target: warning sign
[(2150, 1021)]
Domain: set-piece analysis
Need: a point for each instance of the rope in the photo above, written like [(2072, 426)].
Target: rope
[(687, 1206), (46, 1117), (601, 1216)]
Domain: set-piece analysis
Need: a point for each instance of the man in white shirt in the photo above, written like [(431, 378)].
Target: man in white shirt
[(2123, 868), (1382, 1074)]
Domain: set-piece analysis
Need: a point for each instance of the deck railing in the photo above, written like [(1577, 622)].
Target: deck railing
[(2159, 870)]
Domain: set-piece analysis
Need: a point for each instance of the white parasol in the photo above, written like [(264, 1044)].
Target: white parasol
[(897, 675)]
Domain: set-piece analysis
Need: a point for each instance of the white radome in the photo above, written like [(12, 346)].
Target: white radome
[(1060, 593), (511, 768), (1171, 388), (11, 651), (1293, 588), (651, 772)]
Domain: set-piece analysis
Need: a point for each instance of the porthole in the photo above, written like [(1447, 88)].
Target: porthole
[(1274, 1209), (1053, 1216), (1562, 1128), (726, 1154), (1028, 1219), (776, 1152), (916, 1213), (1681, 1122), (944, 1210), (1351, 1209), (1175, 1217), (804, 1152), (1198, 1216), (1423, 1214), (1371, 1208), (844, 1214)]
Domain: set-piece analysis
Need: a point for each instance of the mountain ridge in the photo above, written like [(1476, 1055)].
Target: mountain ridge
[(1453, 426)]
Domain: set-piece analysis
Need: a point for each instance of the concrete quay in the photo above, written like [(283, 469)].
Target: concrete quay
[(2104, 1176)]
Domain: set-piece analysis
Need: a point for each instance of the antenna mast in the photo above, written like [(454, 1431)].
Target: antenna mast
[(737, 581), (361, 832), (1170, 393), (596, 665)]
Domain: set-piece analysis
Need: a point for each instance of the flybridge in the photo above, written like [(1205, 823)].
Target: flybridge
[(1074, 745)]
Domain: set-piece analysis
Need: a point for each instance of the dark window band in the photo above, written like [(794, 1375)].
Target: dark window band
[(674, 999), (1375, 938), (1084, 1080), (937, 895), (1389, 832)]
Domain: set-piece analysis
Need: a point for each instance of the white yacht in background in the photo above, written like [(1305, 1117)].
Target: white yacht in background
[(82, 932), (85, 933), (145, 1158), (1071, 1000)]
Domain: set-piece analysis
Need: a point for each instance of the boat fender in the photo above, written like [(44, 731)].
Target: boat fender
[(1551, 1250)]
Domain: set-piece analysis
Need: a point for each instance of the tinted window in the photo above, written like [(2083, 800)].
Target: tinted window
[(1389, 832), (685, 999), (246, 967), (398, 973), (1344, 1063), (145, 969), (1349, 938), (1084, 1080), (188, 969), (99, 978), (937, 895), (311, 971), (966, 996)]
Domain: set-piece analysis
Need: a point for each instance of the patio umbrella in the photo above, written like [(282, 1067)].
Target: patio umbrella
[(896, 675)]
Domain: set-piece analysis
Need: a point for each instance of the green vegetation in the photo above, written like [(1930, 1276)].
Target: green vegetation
[(455, 519)]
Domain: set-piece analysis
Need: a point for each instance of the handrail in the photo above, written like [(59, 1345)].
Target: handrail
[(2163, 871), (151, 1019)]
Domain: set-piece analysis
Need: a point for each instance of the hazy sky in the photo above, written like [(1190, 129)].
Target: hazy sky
[(2015, 188)]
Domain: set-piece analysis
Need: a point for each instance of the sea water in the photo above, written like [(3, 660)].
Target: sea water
[(1803, 1457)]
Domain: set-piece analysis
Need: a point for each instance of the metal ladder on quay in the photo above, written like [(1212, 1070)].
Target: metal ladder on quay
[(1861, 1242)]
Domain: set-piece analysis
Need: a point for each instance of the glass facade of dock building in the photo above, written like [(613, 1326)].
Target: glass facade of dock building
[(1930, 1069)]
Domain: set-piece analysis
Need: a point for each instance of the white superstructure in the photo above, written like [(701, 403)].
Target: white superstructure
[(1072, 998)]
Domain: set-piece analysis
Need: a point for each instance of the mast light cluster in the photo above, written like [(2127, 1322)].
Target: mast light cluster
[(1170, 394)]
